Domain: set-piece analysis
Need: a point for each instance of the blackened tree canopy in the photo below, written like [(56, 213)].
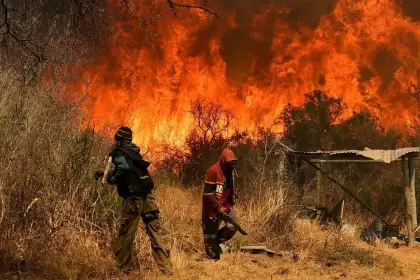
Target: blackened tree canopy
[(319, 124)]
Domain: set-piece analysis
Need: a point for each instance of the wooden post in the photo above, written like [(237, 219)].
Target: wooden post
[(410, 202), (319, 187), (281, 177), (295, 164), (412, 174), (300, 179)]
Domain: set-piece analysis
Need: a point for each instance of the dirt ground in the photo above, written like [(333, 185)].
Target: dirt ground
[(402, 263)]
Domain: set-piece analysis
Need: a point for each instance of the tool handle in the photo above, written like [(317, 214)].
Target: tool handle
[(238, 227), (106, 171)]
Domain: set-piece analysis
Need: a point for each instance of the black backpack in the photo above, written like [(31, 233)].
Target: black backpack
[(137, 181)]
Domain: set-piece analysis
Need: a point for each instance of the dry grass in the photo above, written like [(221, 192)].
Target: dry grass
[(324, 254)]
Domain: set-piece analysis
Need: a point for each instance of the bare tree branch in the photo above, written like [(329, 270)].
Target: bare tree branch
[(144, 22), (58, 31), (211, 119), (173, 6), (24, 43), (5, 22)]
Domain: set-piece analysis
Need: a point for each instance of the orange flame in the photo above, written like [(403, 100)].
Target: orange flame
[(365, 52)]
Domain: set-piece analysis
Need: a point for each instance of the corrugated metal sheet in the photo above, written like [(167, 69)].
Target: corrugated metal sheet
[(386, 156)]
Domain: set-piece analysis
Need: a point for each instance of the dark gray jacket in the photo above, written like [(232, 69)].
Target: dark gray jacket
[(130, 173)]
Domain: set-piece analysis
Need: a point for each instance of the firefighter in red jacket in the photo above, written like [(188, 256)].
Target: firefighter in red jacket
[(218, 200)]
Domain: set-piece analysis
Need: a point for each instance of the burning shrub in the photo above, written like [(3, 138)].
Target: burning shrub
[(203, 144)]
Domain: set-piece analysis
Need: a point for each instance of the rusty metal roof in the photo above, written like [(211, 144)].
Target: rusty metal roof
[(386, 156)]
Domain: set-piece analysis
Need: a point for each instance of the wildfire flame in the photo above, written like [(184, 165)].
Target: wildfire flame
[(254, 60)]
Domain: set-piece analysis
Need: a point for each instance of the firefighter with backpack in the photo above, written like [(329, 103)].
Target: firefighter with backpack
[(135, 185)]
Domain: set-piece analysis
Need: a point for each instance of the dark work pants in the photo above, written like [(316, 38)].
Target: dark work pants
[(213, 236), (146, 208)]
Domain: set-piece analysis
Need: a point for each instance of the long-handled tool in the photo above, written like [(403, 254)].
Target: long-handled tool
[(226, 218), (106, 171)]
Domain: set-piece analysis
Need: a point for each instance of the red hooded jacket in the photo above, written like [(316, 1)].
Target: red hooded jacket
[(215, 182)]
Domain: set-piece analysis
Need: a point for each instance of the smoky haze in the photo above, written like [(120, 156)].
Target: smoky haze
[(410, 8), (240, 49)]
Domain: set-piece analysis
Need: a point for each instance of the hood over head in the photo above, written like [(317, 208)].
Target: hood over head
[(226, 156)]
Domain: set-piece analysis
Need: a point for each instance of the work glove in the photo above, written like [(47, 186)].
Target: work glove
[(98, 175), (221, 210), (110, 179)]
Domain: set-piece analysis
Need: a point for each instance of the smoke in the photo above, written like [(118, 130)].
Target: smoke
[(240, 49), (308, 12), (245, 46), (386, 64), (410, 8)]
